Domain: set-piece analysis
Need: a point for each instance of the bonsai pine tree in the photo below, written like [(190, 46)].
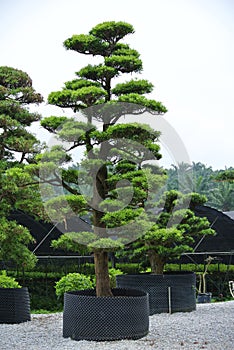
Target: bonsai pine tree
[(174, 232), (18, 147), (112, 182)]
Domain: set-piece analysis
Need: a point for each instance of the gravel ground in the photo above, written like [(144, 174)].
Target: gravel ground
[(211, 327)]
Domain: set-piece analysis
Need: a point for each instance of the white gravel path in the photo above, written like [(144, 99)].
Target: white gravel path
[(211, 327)]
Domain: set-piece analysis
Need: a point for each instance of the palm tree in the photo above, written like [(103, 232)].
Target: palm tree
[(222, 197), (187, 178)]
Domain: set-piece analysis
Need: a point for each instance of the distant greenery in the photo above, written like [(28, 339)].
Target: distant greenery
[(199, 267), (226, 175), (216, 185)]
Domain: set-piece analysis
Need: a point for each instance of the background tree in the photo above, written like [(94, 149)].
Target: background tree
[(16, 92), (222, 196), (18, 147), (113, 169), (204, 180), (195, 177), (226, 175), (174, 231)]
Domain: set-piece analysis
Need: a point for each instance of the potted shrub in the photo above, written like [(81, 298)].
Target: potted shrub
[(79, 296), (99, 185), (203, 296), (14, 301), (173, 234)]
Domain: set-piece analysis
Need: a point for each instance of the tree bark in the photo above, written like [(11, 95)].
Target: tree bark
[(102, 274), (156, 264), (101, 260)]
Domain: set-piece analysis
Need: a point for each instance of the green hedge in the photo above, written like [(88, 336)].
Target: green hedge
[(131, 268), (42, 293), (41, 285)]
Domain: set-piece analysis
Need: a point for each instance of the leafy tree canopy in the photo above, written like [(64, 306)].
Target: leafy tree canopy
[(94, 82), (16, 92), (174, 231)]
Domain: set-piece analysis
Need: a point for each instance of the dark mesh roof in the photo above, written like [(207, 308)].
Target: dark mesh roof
[(40, 229), (223, 241)]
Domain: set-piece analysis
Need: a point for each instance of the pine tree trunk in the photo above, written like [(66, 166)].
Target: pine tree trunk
[(156, 264), (160, 267), (102, 274), (101, 257)]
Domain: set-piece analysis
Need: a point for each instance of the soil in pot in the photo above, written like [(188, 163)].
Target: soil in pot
[(123, 316)]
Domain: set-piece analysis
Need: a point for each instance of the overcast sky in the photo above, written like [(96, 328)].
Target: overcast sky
[(187, 49)]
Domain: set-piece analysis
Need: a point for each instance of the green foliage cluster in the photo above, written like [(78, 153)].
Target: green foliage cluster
[(16, 92), (173, 232), (14, 239), (72, 282), (133, 86), (198, 268), (113, 272), (226, 175), (18, 147), (93, 83), (7, 281)]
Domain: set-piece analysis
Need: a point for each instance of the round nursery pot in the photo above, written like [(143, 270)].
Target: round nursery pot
[(88, 317), (204, 297), (170, 292), (14, 305)]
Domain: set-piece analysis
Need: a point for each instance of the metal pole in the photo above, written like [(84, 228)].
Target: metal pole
[(169, 300)]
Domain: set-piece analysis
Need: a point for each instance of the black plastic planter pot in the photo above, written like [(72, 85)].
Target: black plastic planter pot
[(204, 297), (123, 316), (170, 292), (14, 305)]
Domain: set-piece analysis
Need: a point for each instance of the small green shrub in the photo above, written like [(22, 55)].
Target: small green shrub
[(8, 282), (72, 282), (112, 274)]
